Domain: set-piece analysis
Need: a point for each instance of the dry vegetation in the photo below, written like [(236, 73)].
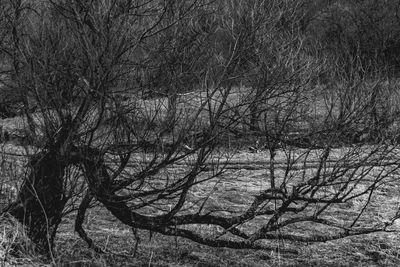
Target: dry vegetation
[(199, 133), (246, 175)]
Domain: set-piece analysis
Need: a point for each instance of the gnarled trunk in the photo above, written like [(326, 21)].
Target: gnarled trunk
[(41, 200)]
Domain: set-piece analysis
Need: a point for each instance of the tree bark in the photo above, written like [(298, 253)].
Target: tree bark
[(254, 117), (41, 200), (255, 110), (171, 112)]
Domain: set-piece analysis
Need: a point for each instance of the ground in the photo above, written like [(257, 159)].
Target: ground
[(246, 174)]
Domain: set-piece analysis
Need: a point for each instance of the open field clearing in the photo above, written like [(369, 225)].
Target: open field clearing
[(231, 193), (230, 180)]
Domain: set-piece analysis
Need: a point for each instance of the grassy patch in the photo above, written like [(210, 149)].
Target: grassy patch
[(230, 193)]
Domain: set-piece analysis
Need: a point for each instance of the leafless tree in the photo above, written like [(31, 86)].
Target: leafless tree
[(99, 139)]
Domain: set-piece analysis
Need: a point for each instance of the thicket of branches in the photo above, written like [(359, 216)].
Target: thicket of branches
[(116, 93)]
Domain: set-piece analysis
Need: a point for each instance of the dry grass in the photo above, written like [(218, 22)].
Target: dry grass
[(156, 250), (246, 176), (15, 247)]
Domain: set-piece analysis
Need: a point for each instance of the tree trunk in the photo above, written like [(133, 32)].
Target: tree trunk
[(255, 110), (170, 119), (254, 117), (41, 200)]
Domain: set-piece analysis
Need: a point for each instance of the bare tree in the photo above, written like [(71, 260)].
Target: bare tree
[(98, 135)]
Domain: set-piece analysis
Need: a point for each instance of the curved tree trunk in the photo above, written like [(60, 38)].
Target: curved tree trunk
[(41, 200)]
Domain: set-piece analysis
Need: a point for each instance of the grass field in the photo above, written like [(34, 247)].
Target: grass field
[(245, 176)]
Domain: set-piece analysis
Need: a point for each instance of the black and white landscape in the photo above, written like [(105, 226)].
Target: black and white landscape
[(199, 133)]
